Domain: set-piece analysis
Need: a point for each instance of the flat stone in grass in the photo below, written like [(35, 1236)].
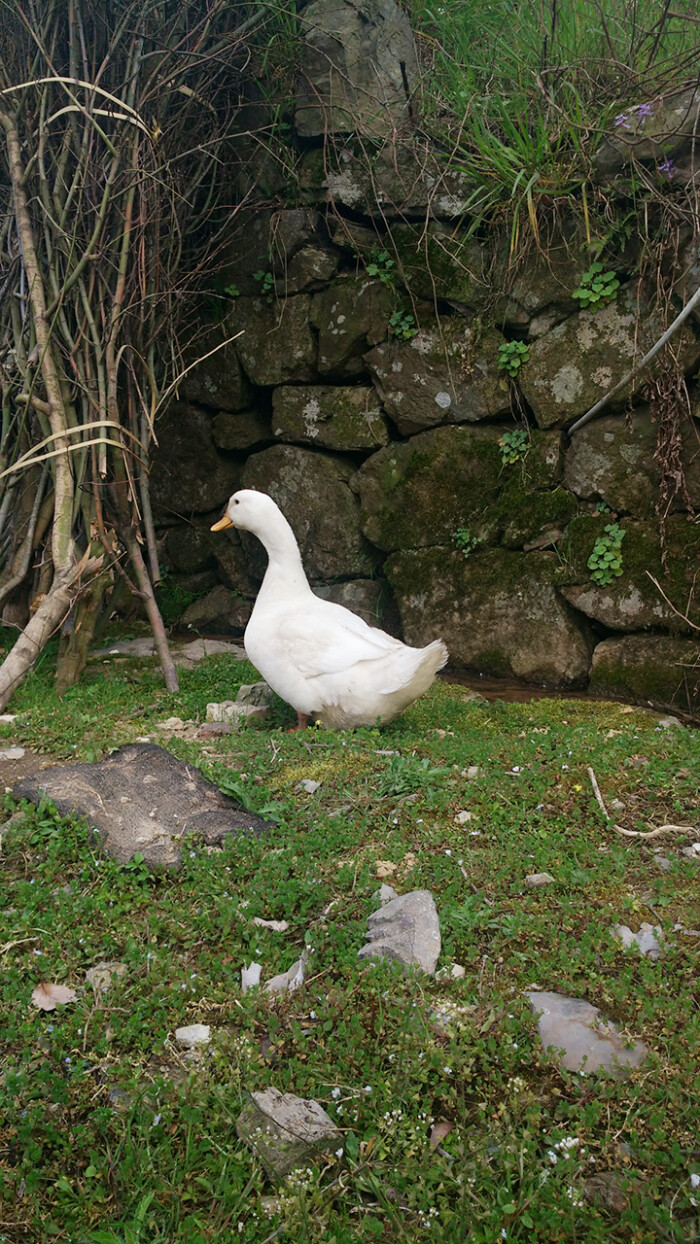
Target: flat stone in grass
[(142, 800), (646, 939), (285, 1131), (407, 930), (589, 1042)]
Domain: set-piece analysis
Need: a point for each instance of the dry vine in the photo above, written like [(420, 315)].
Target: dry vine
[(118, 124)]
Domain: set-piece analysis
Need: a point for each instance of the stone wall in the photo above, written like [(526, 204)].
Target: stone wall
[(362, 391)]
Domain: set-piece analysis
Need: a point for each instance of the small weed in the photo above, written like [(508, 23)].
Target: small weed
[(382, 266), (465, 541), (267, 283), (597, 287), (402, 325), (605, 562), (512, 355), (232, 291), (514, 446)]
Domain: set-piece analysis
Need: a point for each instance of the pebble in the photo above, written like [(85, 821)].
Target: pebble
[(538, 879), (193, 1034), (12, 753), (464, 817)]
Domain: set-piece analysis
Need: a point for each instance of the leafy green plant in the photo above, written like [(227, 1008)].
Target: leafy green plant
[(597, 286), (402, 325), (605, 562), (267, 283), (514, 446), (465, 541), (382, 266), (232, 291), (512, 355)]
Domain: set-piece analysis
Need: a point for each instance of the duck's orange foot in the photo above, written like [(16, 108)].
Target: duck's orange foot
[(302, 723)]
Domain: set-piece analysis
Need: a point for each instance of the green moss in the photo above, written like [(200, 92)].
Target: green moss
[(440, 264)]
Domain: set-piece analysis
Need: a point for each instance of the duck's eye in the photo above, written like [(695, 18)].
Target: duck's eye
[(236, 503)]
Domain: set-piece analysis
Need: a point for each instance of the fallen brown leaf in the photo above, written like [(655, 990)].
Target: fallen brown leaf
[(439, 1131), (47, 996)]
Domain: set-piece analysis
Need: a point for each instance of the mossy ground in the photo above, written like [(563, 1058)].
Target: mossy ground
[(111, 1136)]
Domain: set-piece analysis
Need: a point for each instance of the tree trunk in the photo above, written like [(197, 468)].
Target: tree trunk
[(36, 634)]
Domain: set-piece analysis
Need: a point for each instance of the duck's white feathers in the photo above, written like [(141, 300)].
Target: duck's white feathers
[(318, 656)]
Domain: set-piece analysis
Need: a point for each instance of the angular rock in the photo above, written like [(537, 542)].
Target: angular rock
[(589, 1042), (310, 269), (608, 1191), (632, 602), (535, 880), (290, 980), (420, 492), (312, 490), (646, 939), (250, 976), (241, 430), (649, 669), (276, 345), (539, 283), (11, 753), (407, 930), (351, 316), (358, 68), (217, 381), (498, 612), (185, 435), (286, 1131), (220, 612), (142, 801), (440, 262), (653, 134), (612, 459), (576, 363), (401, 181), (192, 1035), (447, 373), (331, 417)]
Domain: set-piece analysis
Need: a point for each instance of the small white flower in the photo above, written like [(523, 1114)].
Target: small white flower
[(447, 1071), (335, 1093), (695, 1181), (339, 1153)]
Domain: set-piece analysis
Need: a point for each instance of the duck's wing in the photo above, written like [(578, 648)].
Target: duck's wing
[(331, 640)]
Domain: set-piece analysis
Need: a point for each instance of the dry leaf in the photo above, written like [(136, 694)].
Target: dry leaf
[(385, 868), (47, 996), (439, 1131)]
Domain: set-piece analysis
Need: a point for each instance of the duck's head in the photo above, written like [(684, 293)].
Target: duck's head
[(247, 510)]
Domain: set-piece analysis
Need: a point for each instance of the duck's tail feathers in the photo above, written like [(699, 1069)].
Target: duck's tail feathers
[(418, 668)]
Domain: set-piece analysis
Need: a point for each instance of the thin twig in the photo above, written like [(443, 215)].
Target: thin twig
[(635, 833)]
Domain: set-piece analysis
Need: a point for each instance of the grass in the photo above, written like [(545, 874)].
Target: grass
[(110, 1135)]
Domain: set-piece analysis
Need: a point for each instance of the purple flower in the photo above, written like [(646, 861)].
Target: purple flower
[(669, 168), (643, 111), (622, 118)]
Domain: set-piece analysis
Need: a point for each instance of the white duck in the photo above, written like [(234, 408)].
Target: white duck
[(318, 656)]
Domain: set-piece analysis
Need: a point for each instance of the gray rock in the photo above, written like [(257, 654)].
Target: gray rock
[(589, 1042), (11, 753), (612, 459), (497, 612), (235, 713), (220, 612), (286, 1131), (535, 880), (358, 67), (576, 363), (192, 1035), (667, 132), (646, 939), (652, 669), (141, 800), (184, 438), (405, 929), (242, 430), (218, 380), (290, 980), (438, 261), (276, 345), (608, 1191), (310, 269), (255, 695), (331, 417), (447, 373), (403, 180), (351, 316)]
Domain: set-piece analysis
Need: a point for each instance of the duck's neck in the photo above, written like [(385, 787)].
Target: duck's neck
[(284, 565)]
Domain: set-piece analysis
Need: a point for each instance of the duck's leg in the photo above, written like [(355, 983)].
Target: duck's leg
[(302, 722)]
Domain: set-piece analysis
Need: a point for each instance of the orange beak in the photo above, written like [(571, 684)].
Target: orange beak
[(222, 524)]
